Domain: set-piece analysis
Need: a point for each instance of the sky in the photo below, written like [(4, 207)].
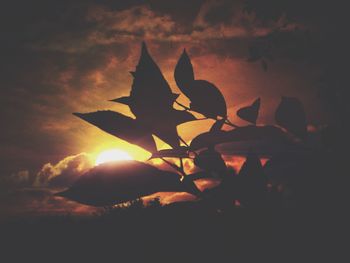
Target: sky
[(60, 57)]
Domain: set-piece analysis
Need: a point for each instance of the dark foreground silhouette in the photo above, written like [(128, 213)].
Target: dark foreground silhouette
[(188, 231), (295, 175)]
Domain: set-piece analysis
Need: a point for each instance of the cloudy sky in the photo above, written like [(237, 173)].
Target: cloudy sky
[(59, 57)]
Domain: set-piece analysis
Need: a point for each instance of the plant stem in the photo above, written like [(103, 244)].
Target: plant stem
[(183, 106), (227, 122), (174, 166)]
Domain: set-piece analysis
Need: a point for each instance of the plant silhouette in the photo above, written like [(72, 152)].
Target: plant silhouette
[(152, 102), (213, 104), (250, 113)]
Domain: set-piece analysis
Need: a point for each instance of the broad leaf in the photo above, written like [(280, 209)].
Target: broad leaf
[(247, 133), (253, 182), (149, 84), (290, 115), (121, 126), (118, 182), (151, 97), (205, 97), (183, 74), (250, 113)]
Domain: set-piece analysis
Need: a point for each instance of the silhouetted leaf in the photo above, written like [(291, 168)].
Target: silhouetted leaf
[(250, 113), (184, 73), (252, 166), (166, 129), (253, 182), (205, 97), (290, 115), (247, 133), (191, 187), (121, 126), (210, 161), (217, 125), (264, 65), (149, 85), (150, 96), (180, 152), (117, 182)]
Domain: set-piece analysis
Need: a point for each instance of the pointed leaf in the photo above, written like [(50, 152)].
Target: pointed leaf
[(184, 74), (252, 166), (113, 183), (253, 182), (120, 126), (290, 115), (149, 85), (123, 100), (250, 113)]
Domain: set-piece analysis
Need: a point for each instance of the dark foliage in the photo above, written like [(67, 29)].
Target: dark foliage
[(250, 113), (112, 183), (205, 97), (290, 115), (285, 181)]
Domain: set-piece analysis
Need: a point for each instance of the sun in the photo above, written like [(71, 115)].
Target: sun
[(112, 156)]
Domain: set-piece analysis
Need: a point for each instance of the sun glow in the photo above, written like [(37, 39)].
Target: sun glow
[(112, 156)]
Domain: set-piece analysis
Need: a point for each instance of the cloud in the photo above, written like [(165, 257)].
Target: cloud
[(214, 20), (65, 172), (138, 21)]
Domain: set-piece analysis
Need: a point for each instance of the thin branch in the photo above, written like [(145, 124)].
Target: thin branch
[(183, 106), (183, 141), (227, 122), (182, 165), (174, 166)]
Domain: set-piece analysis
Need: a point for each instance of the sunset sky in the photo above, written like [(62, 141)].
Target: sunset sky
[(60, 57)]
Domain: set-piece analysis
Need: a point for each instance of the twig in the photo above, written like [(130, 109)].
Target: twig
[(182, 140), (174, 166), (227, 122), (183, 106)]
